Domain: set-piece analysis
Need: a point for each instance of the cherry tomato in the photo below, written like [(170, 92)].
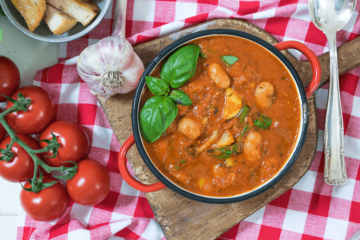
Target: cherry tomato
[(74, 143), (91, 183), (2, 131), (21, 166), (46, 205), (9, 77), (40, 112)]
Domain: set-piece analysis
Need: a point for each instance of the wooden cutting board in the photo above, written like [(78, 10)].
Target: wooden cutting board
[(180, 217)]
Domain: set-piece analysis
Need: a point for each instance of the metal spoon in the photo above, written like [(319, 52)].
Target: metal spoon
[(330, 16)]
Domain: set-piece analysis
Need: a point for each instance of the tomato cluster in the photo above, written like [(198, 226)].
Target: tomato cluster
[(91, 182)]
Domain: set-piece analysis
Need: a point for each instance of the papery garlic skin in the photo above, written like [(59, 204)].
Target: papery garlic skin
[(110, 66)]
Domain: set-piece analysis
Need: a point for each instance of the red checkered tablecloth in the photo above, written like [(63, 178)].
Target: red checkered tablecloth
[(310, 210)]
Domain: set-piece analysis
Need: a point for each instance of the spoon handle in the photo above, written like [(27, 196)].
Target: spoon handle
[(335, 171)]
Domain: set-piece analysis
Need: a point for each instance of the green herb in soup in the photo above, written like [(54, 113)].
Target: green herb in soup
[(229, 60), (262, 121)]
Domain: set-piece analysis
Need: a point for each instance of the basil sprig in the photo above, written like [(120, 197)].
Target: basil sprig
[(180, 66), (160, 111), (262, 121)]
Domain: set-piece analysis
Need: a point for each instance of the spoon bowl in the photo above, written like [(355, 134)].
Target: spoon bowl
[(331, 15)]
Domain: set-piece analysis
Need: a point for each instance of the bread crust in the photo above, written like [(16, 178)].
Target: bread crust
[(32, 10), (58, 22), (81, 10)]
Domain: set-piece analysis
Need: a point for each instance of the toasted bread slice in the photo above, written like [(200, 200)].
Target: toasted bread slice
[(58, 22), (32, 10), (83, 11)]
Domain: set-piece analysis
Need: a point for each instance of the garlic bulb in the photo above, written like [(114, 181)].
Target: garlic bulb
[(110, 66)]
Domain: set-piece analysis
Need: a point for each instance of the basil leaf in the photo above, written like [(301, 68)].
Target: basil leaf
[(243, 112), (228, 59), (156, 116), (262, 121), (180, 66), (157, 86), (180, 97)]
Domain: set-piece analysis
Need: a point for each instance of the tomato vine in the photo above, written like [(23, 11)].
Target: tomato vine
[(36, 183)]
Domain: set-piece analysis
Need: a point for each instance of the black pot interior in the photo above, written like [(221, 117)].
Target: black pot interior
[(210, 199)]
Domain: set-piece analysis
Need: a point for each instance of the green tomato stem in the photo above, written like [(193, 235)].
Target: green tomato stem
[(11, 143), (45, 149)]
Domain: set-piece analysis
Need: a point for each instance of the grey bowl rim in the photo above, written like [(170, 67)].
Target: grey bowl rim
[(80, 34)]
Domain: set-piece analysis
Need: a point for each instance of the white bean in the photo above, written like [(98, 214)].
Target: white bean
[(218, 75), (264, 94), (189, 128), (252, 146)]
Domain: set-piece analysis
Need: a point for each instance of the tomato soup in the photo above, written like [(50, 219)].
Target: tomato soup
[(242, 125)]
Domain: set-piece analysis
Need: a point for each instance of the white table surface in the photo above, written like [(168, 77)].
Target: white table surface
[(29, 55)]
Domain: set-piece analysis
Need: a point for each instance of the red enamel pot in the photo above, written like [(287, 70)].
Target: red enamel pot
[(164, 182)]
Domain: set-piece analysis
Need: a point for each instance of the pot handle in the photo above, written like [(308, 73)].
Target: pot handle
[(314, 62), (125, 172)]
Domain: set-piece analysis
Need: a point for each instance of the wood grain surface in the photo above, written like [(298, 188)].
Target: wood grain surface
[(179, 217), (348, 59)]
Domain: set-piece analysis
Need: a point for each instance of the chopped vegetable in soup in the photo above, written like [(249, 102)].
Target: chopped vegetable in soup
[(237, 119)]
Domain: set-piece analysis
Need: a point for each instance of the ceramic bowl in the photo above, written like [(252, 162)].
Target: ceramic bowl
[(43, 33)]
